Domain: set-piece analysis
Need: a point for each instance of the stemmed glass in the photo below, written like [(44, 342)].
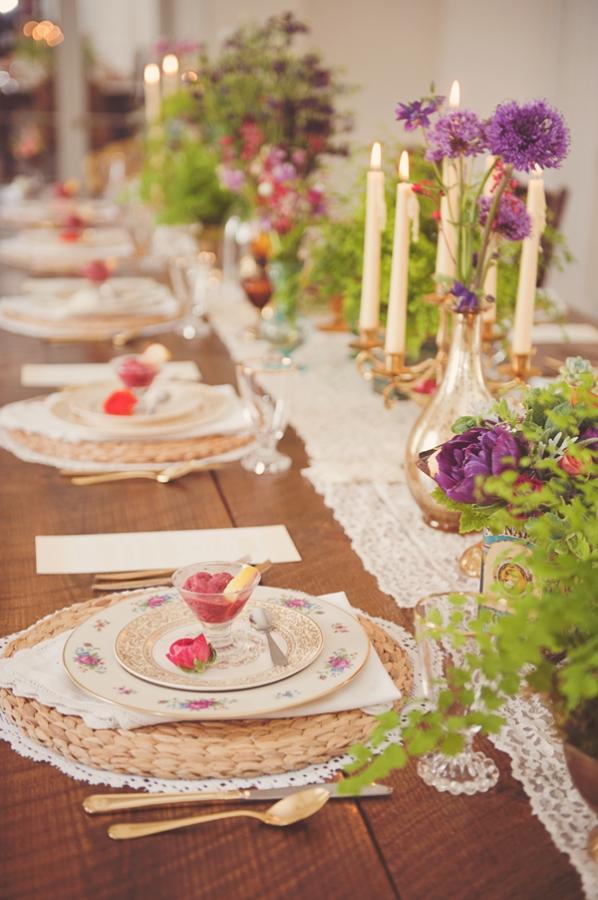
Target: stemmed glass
[(216, 609), (265, 385), (190, 277), (469, 771)]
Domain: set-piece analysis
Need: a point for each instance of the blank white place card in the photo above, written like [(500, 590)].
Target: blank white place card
[(70, 374), (79, 553)]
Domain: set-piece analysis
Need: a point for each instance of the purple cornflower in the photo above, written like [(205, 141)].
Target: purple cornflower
[(511, 220), (467, 301), (529, 134), (459, 132), (417, 114)]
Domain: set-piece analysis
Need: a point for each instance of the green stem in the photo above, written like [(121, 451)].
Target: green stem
[(488, 227)]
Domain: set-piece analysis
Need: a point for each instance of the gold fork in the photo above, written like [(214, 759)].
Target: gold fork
[(162, 476)]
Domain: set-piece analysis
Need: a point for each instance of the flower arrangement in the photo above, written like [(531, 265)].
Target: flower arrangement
[(179, 179), (523, 461), (482, 209), (548, 643)]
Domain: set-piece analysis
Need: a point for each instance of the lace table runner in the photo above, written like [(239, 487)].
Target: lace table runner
[(355, 449)]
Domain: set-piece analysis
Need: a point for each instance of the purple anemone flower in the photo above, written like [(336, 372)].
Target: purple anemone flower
[(467, 301), (474, 455), (511, 220), (417, 114), (528, 134), (459, 132)]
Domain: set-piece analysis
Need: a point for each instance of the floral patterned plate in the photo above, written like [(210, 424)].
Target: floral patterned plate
[(90, 660), (142, 644)]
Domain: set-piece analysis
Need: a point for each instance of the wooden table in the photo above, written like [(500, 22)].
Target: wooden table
[(417, 845)]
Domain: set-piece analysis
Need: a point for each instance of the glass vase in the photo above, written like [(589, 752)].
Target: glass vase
[(462, 391), (281, 325)]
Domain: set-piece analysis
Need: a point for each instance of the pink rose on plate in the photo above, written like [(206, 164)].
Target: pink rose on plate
[(191, 654)]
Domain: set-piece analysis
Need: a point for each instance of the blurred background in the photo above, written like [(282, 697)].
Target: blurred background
[(71, 79)]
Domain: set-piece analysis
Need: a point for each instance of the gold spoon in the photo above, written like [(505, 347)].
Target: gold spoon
[(287, 811)]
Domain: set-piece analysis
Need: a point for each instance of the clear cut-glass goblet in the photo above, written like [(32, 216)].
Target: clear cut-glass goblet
[(438, 618), (265, 385)]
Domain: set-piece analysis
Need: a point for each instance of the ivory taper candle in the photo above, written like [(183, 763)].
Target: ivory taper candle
[(528, 267), (151, 90), (396, 322), (170, 74), (448, 232), (375, 220)]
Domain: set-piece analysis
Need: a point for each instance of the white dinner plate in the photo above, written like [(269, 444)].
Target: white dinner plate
[(142, 645), (178, 399), (90, 660), (216, 407)]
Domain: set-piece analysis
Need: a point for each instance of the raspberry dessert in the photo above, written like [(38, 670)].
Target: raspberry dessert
[(96, 271), (136, 372), (216, 593)]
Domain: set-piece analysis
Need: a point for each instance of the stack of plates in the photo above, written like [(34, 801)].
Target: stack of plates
[(44, 250), (171, 407), (119, 655)]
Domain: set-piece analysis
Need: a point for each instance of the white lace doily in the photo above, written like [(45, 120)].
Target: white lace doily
[(355, 449)]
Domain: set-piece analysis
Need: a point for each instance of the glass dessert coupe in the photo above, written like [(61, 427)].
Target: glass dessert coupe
[(205, 589), (136, 372)]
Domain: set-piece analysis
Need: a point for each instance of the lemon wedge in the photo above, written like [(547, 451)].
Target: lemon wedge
[(240, 581), (156, 354)]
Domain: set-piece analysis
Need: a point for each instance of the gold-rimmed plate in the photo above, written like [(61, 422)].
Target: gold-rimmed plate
[(142, 645), (90, 660)]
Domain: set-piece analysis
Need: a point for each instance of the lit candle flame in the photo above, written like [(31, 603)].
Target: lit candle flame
[(170, 64), (404, 166), (537, 170), (455, 95), (376, 156), (151, 74)]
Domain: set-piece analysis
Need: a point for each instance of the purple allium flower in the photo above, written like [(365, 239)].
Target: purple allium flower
[(477, 453), (528, 134), (511, 220), (417, 114), (459, 132), (467, 301), (232, 179)]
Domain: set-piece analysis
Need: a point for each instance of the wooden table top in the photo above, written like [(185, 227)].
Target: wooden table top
[(417, 844)]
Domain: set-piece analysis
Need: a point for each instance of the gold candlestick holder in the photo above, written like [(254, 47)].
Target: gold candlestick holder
[(519, 371), (399, 376), (365, 346)]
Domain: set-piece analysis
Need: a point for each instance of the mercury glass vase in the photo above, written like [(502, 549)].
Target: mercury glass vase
[(462, 391)]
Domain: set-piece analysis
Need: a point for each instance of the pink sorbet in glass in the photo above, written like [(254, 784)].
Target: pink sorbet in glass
[(202, 593), (135, 372)]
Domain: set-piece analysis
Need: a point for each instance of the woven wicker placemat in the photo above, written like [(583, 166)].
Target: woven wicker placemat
[(195, 749), (164, 451)]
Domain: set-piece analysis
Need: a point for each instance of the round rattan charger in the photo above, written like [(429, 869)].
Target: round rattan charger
[(196, 749)]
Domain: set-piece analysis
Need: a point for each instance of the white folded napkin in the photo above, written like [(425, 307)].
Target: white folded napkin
[(38, 673), (69, 374), (136, 550)]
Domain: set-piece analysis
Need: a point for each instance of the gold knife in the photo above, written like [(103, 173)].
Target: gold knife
[(106, 803)]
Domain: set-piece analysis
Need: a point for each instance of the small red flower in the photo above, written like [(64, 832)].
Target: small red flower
[(191, 654), (120, 403), (426, 387), (572, 465), (71, 235)]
